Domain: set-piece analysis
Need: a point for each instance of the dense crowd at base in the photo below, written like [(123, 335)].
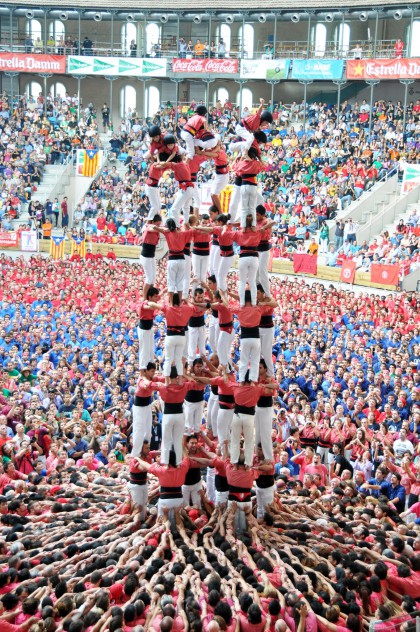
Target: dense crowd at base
[(332, 543)]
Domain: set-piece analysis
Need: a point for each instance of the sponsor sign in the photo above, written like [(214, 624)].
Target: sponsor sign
[(411, 178), (29, 241), (383, 69), (8, 240), (268, 69), (317, 69), (221, 66), (116, 66), (22, 62)]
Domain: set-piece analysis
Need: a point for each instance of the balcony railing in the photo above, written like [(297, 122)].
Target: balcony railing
[(294, 49)]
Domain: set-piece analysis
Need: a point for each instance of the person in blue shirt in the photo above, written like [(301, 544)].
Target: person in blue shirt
[(102, 455), (376, 486), (395, 492)]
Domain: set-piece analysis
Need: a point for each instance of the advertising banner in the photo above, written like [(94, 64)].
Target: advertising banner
[(348, 271), (22, 62), (383, 69), (411, 178), (29, 241), (8, 240), (268, 69), (221, 66), (317, 69), (116, 66)]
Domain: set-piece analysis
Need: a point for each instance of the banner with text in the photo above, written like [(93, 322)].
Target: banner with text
[(317, 69), (212, 66), (8, 240), (268, 69), (21, 62), (116, 66), (383, 69)]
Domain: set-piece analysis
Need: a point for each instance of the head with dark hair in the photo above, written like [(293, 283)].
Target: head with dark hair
[(266, 117), (248, 298), (151, 292), (201, 110), (223, 218), (171, 225), (172, 458), (260, 137), (253, 153)]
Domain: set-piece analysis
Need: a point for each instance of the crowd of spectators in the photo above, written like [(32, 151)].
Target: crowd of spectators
[(338, 549), (36, 132)]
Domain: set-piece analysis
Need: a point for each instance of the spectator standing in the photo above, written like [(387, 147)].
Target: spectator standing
[(64, 213)]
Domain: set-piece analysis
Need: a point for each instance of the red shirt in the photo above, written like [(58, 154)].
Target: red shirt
[(177, 317), (248, 394), (150, 236), (253, 122), (145, 388), (195, 124), (246, 238), (174, 393), (248, 316), (239, 477), (170, 476)]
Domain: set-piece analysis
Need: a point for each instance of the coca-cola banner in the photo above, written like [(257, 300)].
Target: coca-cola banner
[(220, 66), (383, 69), (22, 62)]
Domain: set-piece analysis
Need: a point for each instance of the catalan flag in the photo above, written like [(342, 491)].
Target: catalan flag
[(224, 197), (88, 162), (57, 246), (78, 246)]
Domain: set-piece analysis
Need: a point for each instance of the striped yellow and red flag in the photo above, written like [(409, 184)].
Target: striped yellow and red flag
[(224, 197), (78, 246), (88, 162), (57, 246)]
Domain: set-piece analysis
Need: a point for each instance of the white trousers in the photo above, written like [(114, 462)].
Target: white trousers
[(193, 412), (142, 427), (221, 498), (146, 346), (223, 424), (196, 339), (172, 434), (249, 354), (175, 274), (220, 181), (196, 198), (247, 269), (262, 274), (138, 493), (213, 333), (191, 494), (235, 203), (265, 497), (210, 488), (154, 199), (149, 269), (214, 259), (169, 503), (263, 430), (267, 340), (241, 524), (224, 344), (187, 276), (189, 141), (212, 410), (248, 203), (200, 264), (242, 425), (207, 144), (225, 264), (323, 453), (174, 348), (182, 198)]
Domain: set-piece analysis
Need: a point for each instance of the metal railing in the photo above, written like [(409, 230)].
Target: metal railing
[(167, 47)]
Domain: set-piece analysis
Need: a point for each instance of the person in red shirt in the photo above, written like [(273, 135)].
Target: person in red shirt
[(262, 119), (248, 239), (194, 129), (247, 168), (240, 480), (264, 414), (147, 311), (142, 406), (267, 306), (150, 239), (171, 478), (399, 48), (264, 467), (264, 248), (225, 237), (177, 317), (249, 317), (226, 333), (246, 395), (176, 239), (138, 485), (173, 423)]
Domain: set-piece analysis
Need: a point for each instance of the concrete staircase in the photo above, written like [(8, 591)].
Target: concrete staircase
[(53, 174)]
